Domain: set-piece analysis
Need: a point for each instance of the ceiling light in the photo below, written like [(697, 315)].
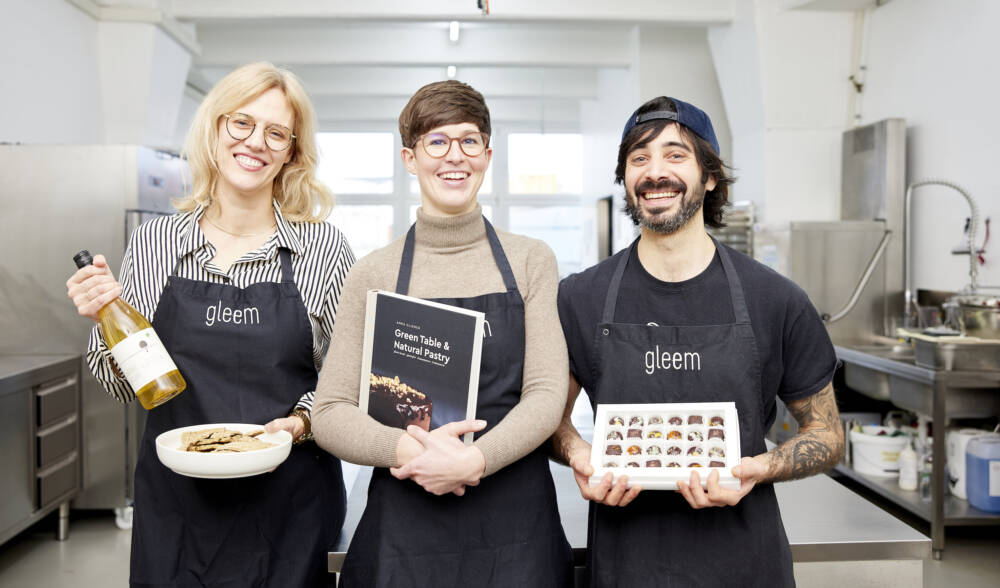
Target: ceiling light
[(452, 70), (453, 30)]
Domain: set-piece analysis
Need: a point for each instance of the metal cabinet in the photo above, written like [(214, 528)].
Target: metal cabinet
[(40, 435)]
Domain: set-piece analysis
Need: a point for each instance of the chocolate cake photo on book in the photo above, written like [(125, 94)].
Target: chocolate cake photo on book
[(393, 403), (420, 361)]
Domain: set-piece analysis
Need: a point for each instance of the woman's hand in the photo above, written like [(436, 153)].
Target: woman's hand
[(293, 424), (92, 287), (446, 463)]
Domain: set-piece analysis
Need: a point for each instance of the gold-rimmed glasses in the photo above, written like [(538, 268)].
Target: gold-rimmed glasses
[(240, 126), (437, 145)]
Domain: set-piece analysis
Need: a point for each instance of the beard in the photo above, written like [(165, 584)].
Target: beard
[(689, 206)]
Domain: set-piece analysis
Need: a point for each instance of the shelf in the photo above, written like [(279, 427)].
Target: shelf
[(957, 512)]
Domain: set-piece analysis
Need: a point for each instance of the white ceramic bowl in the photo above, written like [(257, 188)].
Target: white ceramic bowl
[(222, 465)]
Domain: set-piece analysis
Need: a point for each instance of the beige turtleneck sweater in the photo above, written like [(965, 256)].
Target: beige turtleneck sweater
[(452, 259)]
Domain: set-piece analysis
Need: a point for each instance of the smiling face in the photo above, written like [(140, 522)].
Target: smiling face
[(448, 185), (663, 185), (248, 167)]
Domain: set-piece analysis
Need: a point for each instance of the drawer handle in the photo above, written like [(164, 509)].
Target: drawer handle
[(46, 389)]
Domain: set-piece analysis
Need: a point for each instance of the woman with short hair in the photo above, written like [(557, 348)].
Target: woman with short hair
[(449, 514)]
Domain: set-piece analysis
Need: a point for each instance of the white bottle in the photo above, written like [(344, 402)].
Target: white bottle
[(908, 467)]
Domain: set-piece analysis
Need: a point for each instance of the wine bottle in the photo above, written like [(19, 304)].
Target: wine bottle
[(137, 350)]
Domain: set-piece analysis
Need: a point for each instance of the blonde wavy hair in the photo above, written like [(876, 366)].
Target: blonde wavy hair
[(301, 196)]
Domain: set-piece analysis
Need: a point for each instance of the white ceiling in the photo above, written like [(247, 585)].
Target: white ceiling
[(361, 60)]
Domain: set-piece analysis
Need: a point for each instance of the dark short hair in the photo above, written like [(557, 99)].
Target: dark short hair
[(709, 162), (442, 103)]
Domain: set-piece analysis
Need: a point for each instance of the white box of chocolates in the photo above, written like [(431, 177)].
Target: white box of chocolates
[(656, 445)]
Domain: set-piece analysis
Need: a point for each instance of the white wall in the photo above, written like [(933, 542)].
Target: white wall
[(50, 74), (935, 65), (73, 80), (784, 78)]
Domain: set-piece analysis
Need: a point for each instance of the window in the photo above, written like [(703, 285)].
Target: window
[(545, 163), (367, 227), (356, 163), (561, 227)]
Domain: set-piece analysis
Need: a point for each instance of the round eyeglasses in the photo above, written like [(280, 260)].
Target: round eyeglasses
[(437, 145), (240, 126)]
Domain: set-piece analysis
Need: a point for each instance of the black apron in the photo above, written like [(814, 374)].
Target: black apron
[(274, 529), (658, 539), (504, 532)]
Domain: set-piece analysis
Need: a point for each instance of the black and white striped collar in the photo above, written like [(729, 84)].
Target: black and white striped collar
[(287, 234)]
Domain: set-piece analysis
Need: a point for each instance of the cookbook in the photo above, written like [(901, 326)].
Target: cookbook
[(420, 361)]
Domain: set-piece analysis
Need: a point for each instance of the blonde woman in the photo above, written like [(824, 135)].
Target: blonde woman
[(250, 235)]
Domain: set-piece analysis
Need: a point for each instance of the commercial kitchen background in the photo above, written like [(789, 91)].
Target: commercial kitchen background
[(781, 79)]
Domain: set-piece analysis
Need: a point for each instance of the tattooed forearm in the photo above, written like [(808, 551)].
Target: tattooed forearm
[(817, 446)]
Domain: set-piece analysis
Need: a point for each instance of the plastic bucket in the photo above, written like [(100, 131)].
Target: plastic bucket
[(873, 454), (982, 472)]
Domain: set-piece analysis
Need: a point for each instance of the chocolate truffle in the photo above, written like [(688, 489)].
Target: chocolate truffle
[(674, 435), (610, 464), (634, 450), (635, 433), (635, 421), (673, 464), (615, 435), (654, 435), (695, 419), (716, 464), (716, 434), (632, 464), (654, 450), (613, 450), (653, 463), (716, 421), (616, 421), (694, 464), (695, 450), (695, 436), (716, 452), (673, 450), (656, 420), (676, 420)]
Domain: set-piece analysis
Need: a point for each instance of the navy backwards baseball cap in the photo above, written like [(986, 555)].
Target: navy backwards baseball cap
[(686, 114)]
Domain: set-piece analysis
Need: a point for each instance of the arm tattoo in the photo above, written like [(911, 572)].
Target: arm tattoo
[(819, 443)]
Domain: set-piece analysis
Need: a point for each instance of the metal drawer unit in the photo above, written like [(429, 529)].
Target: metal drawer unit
[(41, 434)]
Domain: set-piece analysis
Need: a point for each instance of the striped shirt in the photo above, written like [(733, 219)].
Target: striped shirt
[(321, 258)]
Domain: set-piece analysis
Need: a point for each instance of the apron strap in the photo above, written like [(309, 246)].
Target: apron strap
[(287, 271), (608, 316), (499, 257), (740, 311)]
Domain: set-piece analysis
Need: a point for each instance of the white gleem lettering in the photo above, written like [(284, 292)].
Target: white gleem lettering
[(654, 360), (217, 313)]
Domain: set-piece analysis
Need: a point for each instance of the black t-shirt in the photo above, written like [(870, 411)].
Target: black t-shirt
[(797, 357)]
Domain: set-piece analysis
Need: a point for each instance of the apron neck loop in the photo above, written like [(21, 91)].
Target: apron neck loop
[(740, 311), (499, 257)]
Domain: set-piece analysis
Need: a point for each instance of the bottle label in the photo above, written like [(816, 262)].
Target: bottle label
[(142, 358)]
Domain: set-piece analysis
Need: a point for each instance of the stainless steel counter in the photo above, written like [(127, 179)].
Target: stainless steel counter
[(825, 522), (890, 373)]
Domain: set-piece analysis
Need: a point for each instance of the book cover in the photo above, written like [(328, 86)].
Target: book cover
[(420, 361)]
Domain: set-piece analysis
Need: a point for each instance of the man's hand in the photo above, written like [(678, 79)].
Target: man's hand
[(750, 471), (446, 463), (604, 492), (293, 424)]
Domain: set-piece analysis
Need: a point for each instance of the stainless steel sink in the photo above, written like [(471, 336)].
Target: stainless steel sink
[(872, 382)]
